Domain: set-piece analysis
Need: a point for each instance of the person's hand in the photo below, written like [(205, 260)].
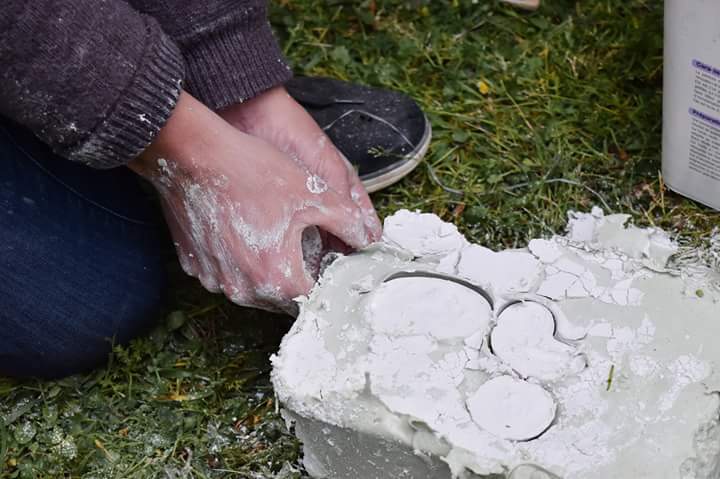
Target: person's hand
[(278, 119), (237, 208)]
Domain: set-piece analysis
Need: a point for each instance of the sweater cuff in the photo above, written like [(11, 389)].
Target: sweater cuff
[(234, 64), (142, 111)]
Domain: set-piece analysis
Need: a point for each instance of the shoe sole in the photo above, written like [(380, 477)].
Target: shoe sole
[(525, 4), (401, 169)]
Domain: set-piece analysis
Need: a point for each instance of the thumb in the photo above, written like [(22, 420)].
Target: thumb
[(294, 279), (342, 218), (360, 196)]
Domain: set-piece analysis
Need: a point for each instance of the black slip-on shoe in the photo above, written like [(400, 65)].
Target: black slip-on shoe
[(383, 133)]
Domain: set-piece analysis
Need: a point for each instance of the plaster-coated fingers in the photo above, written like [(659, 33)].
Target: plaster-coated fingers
[(241, 219), (342, 218), (267, 278), (360, 196), (187, 259), (194, 261), (341, 177), (278, 119)]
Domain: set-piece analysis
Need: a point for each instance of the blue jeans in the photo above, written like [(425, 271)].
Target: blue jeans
[(82, 260)]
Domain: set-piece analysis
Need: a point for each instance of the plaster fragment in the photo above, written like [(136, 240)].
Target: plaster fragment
[(582, 226), (547, 251), (422, 234), (502, 273)]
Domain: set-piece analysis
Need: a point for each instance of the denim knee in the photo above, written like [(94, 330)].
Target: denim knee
[(82, 260), (58, 335)]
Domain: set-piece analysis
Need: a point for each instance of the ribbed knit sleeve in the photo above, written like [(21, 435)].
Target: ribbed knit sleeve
[(94, 79), (228, 46)]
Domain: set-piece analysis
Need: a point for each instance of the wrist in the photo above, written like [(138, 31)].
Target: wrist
[(185, 131), (248, 114)]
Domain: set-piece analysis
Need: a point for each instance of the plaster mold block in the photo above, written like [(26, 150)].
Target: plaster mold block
[(581, 357)]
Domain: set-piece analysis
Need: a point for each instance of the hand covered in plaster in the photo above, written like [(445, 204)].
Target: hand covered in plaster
[(237, 208), (278, 119)]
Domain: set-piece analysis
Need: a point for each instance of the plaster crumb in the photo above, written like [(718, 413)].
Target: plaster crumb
[(316, 185)]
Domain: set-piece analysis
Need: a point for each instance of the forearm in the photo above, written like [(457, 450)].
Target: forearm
[(94, 80), (228, 47)]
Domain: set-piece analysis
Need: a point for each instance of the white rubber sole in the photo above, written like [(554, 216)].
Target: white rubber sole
[(409, 163), (525, 4)]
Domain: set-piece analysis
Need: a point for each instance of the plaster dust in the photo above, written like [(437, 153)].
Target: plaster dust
[(581, 357)]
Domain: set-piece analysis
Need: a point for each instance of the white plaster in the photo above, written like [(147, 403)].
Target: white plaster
[(524, 338), (422, 234), (448, 264), (316, 185), (582, 226), (502, 273), (421, 305), (512, 409), (546, 251)]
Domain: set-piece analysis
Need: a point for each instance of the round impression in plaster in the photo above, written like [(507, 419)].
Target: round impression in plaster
[(524, 337), (454, 279), (512, 409), (419, 303)]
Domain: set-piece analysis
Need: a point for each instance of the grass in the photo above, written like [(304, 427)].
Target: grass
[(533, 114)]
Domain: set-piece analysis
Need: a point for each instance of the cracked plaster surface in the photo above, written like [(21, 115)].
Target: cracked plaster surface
[(575, 358)]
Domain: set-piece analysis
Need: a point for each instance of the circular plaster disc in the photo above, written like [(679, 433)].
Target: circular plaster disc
[(524, 338), (426, 305), (512, 409)]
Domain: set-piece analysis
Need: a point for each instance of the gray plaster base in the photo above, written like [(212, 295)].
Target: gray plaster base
[(332, 452)]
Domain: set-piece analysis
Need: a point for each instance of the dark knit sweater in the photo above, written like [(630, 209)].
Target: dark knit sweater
[(97, 79)]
